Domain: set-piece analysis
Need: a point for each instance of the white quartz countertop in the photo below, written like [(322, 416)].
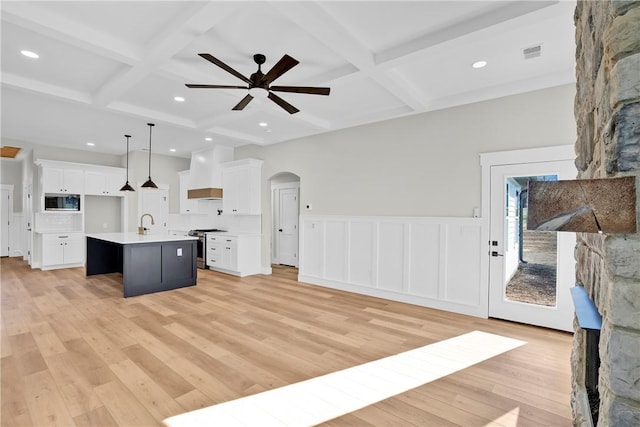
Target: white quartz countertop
[(132, 238)]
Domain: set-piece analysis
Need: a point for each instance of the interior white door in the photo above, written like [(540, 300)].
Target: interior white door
[(288, 226), (505, 238), (5, 207), (154, 201), (28, 219)]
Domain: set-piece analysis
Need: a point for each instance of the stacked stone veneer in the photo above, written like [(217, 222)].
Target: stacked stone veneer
[(607, 111)]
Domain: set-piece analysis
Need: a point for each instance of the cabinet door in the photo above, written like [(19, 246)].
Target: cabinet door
[(73, 249), (74, 181), (53, 180), (230, 254), (52, 251), (94, 183), (230, 190), (113, 182), (241, 185)]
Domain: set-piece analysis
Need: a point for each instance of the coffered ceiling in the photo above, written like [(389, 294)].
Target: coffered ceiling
[(107, 68)]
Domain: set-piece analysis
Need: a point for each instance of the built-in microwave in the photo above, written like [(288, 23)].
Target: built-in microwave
[(62, 202)]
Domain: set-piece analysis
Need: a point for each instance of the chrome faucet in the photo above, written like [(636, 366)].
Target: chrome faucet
[(142, 229)]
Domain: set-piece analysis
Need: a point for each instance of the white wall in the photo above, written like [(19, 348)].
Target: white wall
[(103, 214), (421, 165)]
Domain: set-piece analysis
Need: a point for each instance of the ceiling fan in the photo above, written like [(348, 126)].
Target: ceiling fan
[(259, 84)]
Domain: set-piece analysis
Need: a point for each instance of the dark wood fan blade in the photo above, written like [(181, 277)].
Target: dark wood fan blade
[(285, 64), (302, 89), (247, 99), (284, 104), (195, 86), (224, 66)]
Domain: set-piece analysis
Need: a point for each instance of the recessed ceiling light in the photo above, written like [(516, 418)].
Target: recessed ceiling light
[(208, 139), (30, 54), (178, 99), (263, 124), (173, 150), (90, 144), (479, 64)]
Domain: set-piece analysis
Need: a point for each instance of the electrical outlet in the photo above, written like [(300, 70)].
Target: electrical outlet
[(179, 252)]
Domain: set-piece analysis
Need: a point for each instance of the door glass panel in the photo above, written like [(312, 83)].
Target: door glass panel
[(530, 256)]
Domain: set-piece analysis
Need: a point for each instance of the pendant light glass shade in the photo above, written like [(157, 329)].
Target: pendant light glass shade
[(149, 183), (126, 186)]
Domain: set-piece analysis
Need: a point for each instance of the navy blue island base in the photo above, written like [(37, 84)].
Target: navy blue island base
[(148, 263)]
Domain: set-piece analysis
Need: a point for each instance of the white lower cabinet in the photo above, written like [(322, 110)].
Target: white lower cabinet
[(62, 250), (233, 254)]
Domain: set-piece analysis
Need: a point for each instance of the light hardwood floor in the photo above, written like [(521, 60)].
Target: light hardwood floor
[(74, 352)]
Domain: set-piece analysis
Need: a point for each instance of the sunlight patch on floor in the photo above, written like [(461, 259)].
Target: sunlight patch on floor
[(509, 419), (323, 398)]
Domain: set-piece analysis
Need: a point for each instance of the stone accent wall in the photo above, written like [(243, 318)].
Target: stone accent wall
[(607, 111)]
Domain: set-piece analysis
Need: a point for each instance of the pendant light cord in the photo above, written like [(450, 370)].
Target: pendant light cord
[(151, 125), (127, 136)]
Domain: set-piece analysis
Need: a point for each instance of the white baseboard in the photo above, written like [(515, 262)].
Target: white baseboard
[(394, 296), (266, 271)]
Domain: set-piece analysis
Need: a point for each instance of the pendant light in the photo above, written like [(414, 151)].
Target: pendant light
[(126, 186), (149, 183)]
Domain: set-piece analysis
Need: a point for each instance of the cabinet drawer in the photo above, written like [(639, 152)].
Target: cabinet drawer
[(214, 261), (230, 242), (214, 248)]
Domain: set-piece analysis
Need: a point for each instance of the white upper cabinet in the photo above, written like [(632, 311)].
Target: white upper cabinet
[(62, 181), (241, 187), (104, 182)]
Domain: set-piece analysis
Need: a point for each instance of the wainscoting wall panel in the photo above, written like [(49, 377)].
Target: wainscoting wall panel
[(433, 262), (336, 250)]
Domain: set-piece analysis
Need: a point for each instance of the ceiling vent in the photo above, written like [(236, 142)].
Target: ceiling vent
[(532, 52)]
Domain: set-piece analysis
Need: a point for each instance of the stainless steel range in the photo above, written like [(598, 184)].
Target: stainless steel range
[(201, 259)]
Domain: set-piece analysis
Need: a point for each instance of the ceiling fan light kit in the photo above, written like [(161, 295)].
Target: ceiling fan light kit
[(259, 84)]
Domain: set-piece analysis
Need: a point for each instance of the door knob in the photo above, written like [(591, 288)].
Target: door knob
[(280, 230)]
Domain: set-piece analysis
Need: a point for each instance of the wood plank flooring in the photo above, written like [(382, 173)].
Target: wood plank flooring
[(74, 352)]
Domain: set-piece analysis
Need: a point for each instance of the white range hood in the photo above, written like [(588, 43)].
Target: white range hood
[(205, 176)]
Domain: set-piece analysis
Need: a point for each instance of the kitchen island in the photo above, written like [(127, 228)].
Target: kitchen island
[(148, 263)]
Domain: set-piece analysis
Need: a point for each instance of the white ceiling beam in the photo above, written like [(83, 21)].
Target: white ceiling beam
[(197, 19), (150, 114), (44, 22), (235, 135), (42, 88)]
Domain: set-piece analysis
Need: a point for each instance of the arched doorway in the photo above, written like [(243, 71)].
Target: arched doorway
[(285, 213)]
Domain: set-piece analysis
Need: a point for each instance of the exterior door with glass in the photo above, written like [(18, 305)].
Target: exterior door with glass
[(530, 272)]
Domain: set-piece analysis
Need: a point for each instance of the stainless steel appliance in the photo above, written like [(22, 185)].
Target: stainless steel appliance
[(201, 259), (61, 202)]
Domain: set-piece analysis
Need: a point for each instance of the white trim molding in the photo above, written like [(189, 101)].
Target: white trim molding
[(431, 262)]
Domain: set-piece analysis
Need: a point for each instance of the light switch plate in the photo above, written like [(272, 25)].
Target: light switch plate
[(179, 252)]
